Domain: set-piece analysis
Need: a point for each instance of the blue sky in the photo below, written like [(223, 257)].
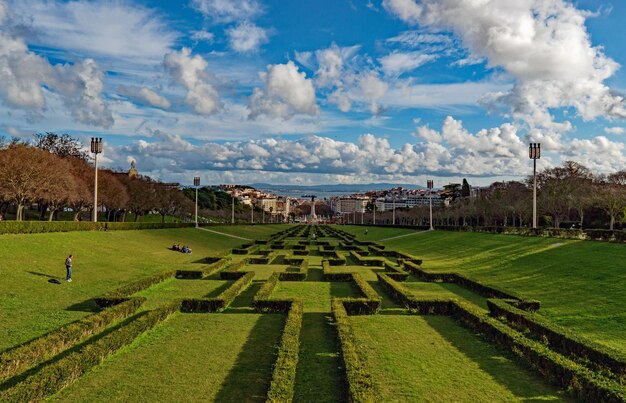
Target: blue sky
[(311, 92)]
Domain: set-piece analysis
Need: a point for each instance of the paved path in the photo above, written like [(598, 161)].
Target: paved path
[(402, 236), (225, 234)]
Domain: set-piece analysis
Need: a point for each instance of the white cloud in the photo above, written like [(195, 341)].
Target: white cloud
[(614, 130), (396, 63), (543, 44), (190, 72), (202, 36), (144, 95), (24, 75), (99, 29), (373, 89), (598, 153), (225, 11), (246, 37), (81, 86), (287, 92), (414, 39), (406, 10), (4, 11)]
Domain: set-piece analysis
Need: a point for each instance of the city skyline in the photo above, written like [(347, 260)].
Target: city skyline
[(261, 91)]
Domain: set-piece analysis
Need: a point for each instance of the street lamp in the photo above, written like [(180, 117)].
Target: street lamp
[(393, 215), (196, 183), (232, 217), (96, 148), (534, 153), (429, 184), (374, 218)]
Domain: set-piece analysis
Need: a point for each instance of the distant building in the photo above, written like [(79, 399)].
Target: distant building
[(132, 172), (349, 204)]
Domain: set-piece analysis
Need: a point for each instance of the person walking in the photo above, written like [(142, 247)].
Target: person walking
[(68, 269)]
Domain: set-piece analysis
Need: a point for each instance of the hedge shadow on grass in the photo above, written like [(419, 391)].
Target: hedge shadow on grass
[(495, 367), (319, 374), (88, 305), (250, 377)]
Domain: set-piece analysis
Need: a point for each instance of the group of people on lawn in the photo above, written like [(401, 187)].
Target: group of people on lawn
[(184, 249)]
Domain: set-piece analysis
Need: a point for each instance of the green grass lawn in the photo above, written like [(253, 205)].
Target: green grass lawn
[(31, 306), (190, 357), (316, 295), (431, 358), (249, 231), (376, 233), (171, 289), (580, 283), (425, 290)]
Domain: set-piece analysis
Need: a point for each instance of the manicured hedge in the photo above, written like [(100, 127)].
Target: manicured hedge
[(61, 373), (32, 227), (395, 272), (368, 304), (123, 293), (232, 272), (17, 360), (561, 339), (360, 386), (366, 261), (223, 300), (586, 384), (283, 382), (470, 284), (216, 263)]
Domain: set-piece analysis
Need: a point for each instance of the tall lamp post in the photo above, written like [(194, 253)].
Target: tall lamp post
[(196, 184), (534, 153), (429, 184), (96, 148), (374, 209), (232, 216), (393, 214)]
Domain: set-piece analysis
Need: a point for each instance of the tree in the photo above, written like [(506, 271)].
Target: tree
[(62, 145), (561, 189), (611, 197), (465, 189), (25, 175), (61, 191)]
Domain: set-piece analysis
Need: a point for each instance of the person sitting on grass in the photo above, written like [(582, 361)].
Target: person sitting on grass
[(176, 247), (186, 249)]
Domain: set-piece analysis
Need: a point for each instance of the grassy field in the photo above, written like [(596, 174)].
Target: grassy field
[(580, 283), (229, 356), (188, 358), (431, 358), (31, 306)]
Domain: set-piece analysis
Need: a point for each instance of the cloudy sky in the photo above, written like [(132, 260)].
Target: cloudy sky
[(325, 91)]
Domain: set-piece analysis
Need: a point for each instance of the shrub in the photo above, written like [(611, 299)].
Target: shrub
[(21, 358), (216, 264), (283, 381), (61, 373), (232, 272), (223, 300), (561, 339), (123, 293), (360, 386), (32, 227)]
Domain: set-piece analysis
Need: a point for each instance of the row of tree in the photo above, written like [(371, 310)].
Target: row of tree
[(54, 173), (567, 195)]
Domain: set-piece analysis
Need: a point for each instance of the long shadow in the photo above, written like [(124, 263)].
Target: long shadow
[(36, 273), (18, 378), (319, 374), (387, 301), (249, 379), (219, 290), (315, 274), (492, 364), (88, 305), (246, 298)]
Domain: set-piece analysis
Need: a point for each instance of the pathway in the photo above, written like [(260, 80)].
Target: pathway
[(402, 236), (225, 234)]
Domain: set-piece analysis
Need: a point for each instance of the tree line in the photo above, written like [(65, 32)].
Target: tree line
[(55, 173), (570, 195)]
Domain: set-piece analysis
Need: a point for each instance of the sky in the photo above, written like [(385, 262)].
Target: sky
[(321, 92)]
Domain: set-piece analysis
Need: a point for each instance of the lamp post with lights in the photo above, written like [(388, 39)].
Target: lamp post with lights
[(429, 184), (96, 148), (196, 184), (534, 153)]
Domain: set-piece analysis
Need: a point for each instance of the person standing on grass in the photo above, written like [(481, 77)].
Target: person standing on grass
[(68, 269)]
